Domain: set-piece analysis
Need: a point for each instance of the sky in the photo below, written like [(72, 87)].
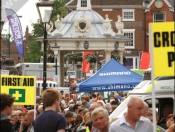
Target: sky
[(29, 15)]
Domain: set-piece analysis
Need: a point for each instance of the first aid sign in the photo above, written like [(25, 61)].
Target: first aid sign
[(162, 42), (21, 88)]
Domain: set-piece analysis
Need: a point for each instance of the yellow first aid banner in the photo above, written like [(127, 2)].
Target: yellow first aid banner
[(163, 44), (22, 88)]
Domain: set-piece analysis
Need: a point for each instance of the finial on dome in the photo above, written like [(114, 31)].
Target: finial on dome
[(84, 5)]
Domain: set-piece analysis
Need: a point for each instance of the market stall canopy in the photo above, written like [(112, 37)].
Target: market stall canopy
[(112, 77)]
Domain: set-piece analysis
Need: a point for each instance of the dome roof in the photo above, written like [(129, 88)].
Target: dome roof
[(96, 30), (93, 16), (94, 21)]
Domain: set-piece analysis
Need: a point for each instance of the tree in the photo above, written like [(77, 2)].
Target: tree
[(34, 53)]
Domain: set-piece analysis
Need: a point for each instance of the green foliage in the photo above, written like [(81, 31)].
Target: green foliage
[(117, 57), (34, 52), (91, 58), (38, 30), (59, 9), (50, 58), (76, 58)]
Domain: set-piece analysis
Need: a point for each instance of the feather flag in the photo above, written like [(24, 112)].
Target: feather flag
[(16, 29)]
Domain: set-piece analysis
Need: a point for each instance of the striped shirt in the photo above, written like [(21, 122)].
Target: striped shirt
[(120, 125)]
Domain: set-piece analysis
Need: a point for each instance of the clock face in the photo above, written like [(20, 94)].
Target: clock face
[(158, 4)]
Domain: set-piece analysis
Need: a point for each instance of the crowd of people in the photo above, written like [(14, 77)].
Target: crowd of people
[(56, 112)]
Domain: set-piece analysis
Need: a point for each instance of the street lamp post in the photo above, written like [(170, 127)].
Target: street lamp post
[(45, 8), (55, 49)]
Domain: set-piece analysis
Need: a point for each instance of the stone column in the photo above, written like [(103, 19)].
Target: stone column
[(107, 56), (120, 52), (61, 69)]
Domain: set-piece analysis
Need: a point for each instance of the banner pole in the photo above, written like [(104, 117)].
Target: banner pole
[(152, 78)]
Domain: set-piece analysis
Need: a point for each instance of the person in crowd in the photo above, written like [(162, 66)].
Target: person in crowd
[(80, 111), (70, 108), (166, 111), (171, 128), (113, 107), (100, 100), (70, 121), (21, 116), (107, 106), (17, 124), (93, 106), (150, 117), (6, 110), (12, 120), (66, 102), (75, 110), (84, 112), (94, 97), (49, 120), (86, 118), (79, 103), (24, 124), (120, 95), (78, 120), (40, 109), (123, 98), (132, 120), (100, 118), (146, 107), (87, 98), (84, 104), (170, 120), (62, 112), (125, 95), (71, 102), (30, 116), (111, 94), (62, 93), (117, 98)]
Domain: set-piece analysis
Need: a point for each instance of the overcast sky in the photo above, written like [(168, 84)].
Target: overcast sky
[(29, 15)]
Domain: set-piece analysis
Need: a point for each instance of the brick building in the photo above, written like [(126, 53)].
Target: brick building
[(158, 11), (132, 13)]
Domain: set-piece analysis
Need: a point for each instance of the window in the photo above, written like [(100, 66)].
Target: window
[(128, 14), (130, 33), (160, 104), (159, 17), (83, 3), (132, 63)]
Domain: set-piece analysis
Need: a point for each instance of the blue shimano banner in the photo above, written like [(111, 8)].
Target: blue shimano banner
[(16, 29)]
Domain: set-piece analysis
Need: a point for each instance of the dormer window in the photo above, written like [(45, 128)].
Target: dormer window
[(83, 3)]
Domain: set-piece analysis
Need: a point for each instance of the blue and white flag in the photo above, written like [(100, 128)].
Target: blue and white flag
[(16, 29)]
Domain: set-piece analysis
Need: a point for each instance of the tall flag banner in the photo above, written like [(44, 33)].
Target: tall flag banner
[(16, 29), (86, 66), (145, 60)]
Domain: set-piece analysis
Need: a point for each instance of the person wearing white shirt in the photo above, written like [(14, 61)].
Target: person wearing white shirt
[(132, 120)]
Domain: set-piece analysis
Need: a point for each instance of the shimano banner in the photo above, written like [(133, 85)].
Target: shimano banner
[(16, 29)]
